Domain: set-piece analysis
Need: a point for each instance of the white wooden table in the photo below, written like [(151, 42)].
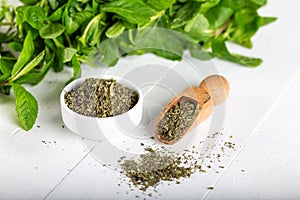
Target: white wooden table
[(262, 114)]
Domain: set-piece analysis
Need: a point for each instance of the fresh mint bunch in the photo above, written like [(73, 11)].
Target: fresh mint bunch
[(57, 33)]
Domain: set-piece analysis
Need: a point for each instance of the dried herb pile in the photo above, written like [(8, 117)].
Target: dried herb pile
[(101, 98), (50, 34), (159, 164), (155, 166), (177, 119)]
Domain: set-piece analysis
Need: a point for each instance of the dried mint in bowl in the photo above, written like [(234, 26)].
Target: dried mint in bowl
[(101, 98)]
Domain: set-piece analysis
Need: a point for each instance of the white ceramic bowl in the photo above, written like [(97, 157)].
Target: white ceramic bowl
[(96, 128)]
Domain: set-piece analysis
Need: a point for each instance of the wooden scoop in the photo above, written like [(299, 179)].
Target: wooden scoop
[(213, 90)]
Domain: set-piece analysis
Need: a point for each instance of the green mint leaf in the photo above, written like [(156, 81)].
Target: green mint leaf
[(92, 32), (160, 4), (51, 31), (263, 21), (26, 107), (115, 30), (32, 64), (220, 50), (35, 76), (83, 16), (95, 6), (237, 5), (5, 68), (34, 15), (185, 13), (57, 14), (73, 21), (217, 16), (198, 24), (20, 18), (198, 52), (260, 2), (69, 23), (68, 54), (162, 42), (198, 28), (25, 55), (53, 4), (247, 61), (134, 11), (208, 5), (246, 23), (245, 16), (76, 68)]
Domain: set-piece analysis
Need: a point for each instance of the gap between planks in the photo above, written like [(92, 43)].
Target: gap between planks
[(75, 166)]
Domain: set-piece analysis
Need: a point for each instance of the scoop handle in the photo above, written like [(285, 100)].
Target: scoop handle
[(217, 86), (213, 90)]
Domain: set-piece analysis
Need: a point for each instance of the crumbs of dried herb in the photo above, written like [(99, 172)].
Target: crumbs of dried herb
[(180, 117), (161, 164), (101, 98), (155, 166)]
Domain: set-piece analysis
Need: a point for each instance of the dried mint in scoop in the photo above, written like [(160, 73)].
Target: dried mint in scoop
[(101, 98), (180, 117)]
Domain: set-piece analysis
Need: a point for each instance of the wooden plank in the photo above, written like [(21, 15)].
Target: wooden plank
[(33, 162), (268, 166)]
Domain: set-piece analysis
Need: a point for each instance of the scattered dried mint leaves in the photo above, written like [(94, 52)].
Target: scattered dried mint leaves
[(101, 98), (177, 119), (155, 166), (159, 164)]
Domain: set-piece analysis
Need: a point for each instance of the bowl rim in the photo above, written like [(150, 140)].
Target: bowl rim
[(119, 79)]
